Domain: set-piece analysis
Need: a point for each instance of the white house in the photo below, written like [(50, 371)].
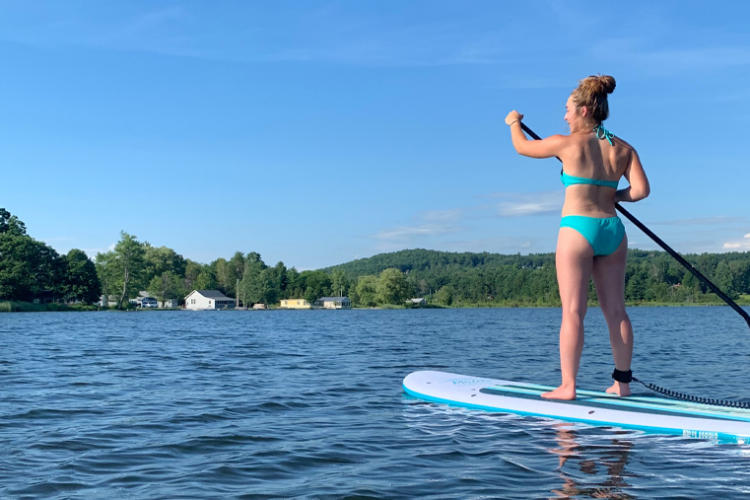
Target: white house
[(201, 300), (417, 302), (333, 303)]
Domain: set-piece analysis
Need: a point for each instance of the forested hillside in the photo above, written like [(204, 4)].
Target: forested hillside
[(494, 279)]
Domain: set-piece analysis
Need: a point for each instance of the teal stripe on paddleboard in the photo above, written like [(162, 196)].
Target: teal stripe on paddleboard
[(721, 436), (653, 403), (734, 412), (615, 404), (599, 394)]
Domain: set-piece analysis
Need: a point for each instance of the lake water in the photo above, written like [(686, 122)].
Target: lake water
[(309, 404)]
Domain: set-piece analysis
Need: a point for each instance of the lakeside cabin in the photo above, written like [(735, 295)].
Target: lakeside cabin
[(295, 304), (333, 303), (207, 300), (419, 302)]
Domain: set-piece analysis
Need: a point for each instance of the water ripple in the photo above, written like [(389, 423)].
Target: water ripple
[(310, 406)]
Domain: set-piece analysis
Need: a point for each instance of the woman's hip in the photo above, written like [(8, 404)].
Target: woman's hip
[(603, 234)]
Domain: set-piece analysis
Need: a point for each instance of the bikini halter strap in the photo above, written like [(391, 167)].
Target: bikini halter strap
[(603, 133)]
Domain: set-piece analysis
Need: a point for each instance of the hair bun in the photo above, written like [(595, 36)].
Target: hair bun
[(607, 83), (598, 84)]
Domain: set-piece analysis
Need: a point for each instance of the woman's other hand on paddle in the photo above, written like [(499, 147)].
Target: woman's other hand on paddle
[(513, 116)]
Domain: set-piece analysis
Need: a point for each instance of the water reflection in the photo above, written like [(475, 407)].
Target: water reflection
[(612, 459)]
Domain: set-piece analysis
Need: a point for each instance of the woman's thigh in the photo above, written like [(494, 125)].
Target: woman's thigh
[(575, 259), (609, 279)]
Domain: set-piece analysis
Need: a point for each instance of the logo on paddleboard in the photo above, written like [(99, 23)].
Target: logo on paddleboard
[(700, 434), (470, 381)]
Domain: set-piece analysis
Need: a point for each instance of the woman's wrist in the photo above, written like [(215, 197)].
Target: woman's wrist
[(514, 121)]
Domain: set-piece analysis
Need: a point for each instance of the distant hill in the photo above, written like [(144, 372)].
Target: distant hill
[(496, 279), (433, 261)]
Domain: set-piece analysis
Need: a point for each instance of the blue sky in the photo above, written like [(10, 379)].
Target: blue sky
[(320, 132)]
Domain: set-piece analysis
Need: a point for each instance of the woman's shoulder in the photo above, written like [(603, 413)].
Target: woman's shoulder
[(566, 141), (623, 143), (625, 153), (558, 137)]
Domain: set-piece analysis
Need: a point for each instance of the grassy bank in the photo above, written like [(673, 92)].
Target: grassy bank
[(13, 306), (642, 303), (705, 300)]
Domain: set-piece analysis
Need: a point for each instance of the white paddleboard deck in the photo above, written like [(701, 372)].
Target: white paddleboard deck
[(650, 414)]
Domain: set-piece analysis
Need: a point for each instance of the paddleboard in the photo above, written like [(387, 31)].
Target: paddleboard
[(650, 414)]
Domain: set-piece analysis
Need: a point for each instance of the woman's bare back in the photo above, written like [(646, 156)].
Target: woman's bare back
[(585, 155)]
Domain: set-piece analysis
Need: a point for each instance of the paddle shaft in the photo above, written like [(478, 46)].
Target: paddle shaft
[(668, 249)]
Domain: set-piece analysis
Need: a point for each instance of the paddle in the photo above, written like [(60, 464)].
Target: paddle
[(668, 249)]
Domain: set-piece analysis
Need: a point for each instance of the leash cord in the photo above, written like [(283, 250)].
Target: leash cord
[(693, 399)]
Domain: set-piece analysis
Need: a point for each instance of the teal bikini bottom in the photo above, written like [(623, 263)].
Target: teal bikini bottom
[(605, 235)]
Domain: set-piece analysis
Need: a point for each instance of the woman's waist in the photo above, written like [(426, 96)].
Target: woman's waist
[(597, 211)]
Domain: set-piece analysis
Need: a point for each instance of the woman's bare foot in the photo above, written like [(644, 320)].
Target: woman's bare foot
[(563, 392), (622, 390)]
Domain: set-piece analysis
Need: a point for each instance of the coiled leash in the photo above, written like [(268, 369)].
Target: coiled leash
[(625, 377)]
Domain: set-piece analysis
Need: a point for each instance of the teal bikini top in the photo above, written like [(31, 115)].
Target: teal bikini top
[(569, 180)]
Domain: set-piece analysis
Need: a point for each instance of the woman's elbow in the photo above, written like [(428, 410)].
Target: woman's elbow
[(641, 193)]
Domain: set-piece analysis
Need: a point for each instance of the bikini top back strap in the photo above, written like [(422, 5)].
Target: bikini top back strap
[(603, 133)]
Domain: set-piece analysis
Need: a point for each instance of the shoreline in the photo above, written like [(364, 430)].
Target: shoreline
[(8, 306)]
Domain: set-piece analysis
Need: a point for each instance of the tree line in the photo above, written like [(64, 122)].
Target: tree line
[(133, 266), (29, 267), (485, 279)]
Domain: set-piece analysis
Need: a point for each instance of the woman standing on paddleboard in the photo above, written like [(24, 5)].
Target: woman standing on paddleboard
[(592, 239)]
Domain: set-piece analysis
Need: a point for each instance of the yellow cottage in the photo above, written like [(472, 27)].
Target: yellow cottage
[(295, 304)]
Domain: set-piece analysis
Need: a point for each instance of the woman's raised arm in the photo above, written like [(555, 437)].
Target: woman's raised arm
[(546, 148)]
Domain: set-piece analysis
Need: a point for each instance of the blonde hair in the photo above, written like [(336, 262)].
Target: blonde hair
[(591, 93)]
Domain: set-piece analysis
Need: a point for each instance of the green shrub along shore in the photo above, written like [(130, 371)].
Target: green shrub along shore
[(14, 306), (31, 270)]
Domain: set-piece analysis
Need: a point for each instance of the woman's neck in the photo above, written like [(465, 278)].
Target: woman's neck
[(583, 127)]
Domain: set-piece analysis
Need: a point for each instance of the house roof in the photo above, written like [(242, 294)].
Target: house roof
[(210, 294), (333, 299)]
